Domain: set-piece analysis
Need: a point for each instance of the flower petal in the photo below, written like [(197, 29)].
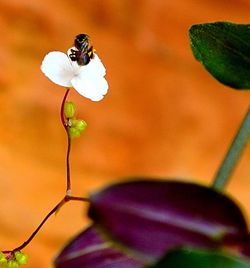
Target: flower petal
[(95, 67), (93, 87), (57, 67)]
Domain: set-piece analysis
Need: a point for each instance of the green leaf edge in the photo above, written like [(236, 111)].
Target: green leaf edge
[(201, 254), (198, 55)]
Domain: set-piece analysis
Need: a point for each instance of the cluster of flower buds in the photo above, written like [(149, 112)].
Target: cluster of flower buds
[(75, 126), (13, 260)]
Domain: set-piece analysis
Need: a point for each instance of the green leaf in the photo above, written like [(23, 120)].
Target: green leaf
[(224, 49), (194, 258)]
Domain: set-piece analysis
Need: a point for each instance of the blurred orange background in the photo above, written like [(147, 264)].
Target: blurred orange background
[(164, 115)]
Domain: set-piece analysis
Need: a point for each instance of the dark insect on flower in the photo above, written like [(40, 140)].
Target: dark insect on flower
[(83, 52)]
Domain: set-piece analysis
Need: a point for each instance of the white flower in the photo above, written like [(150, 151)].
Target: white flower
[(87, 80)]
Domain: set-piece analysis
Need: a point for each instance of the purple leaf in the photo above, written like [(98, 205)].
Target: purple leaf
[(245, 247), (89, 250), (153, 216)]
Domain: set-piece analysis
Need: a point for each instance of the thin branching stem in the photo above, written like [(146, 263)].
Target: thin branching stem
[(67, 197), (53, 211)]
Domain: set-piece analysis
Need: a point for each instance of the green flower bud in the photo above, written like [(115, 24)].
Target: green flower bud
[(69, 109), (74, 132), (21, 257), (3, 259), (80, 125), (12, 264), (76, 127)]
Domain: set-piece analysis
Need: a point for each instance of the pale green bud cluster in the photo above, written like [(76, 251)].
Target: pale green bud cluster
[(75, 126), (12, 264), (20, 257), (3, 259), (14, 260)]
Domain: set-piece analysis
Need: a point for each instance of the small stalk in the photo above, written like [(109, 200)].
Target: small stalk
[(64, 123), (233, 154), (68, 189)]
